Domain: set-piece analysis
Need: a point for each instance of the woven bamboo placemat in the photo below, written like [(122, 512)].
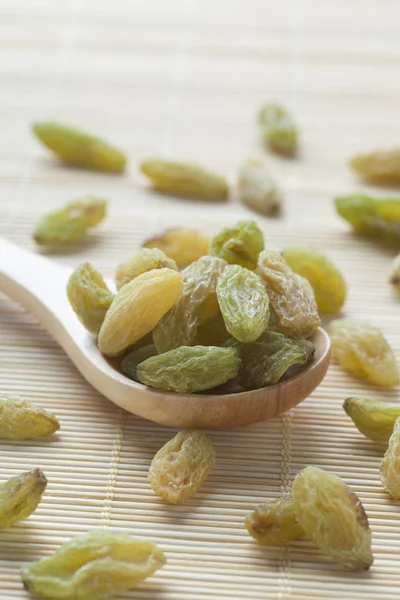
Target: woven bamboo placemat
[(185, 78)]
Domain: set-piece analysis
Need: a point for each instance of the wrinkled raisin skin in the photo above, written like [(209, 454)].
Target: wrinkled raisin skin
[(333, 517), (181, 466), (189, 369)]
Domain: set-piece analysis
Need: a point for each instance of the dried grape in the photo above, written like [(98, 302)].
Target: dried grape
[(213, 332), (189, 369), (97, 565), (184, 179), (20, 496), (240, 244), (133, 359), (181, 466), (373, 217), (333, 517), (257, 189), (291, 296), (137, 308), (22, 420), (243, 302), (197, 304), (278, 129), (183, 245), (379, 166), (274, 523), (78, 148), (146, 260), (265, 361), (70, 224), (363, 350), (373, 418), (327, 282), (89, 296), (390, 465), (394, 276)]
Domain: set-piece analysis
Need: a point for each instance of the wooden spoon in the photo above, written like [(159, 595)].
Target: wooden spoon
[(39, 285)]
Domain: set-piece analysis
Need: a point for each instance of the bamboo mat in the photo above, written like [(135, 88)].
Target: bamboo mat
[(184, 78)]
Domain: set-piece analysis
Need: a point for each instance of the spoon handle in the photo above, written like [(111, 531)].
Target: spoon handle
[(37, 284)]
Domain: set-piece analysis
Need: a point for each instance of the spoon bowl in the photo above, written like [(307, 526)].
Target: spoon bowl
[(39, 285)]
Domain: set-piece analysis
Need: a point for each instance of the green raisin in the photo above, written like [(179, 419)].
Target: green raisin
[(184, 179), (240, 244), (372, 217), (94, 566), (373, 418), (146, 260), (363, 351), (278, 129), (390, 465), (274, 523), (20, 496), (327, 282), (333, 517), (89, 296), (137, 308), (70, 224), (133, 359), (257, 189), (22, 420), (197, 305), (291, 296), (181, 466), (379, 166), (182, 245), (243, 302), (189, 369), (394, 275), (80, 149), (266, 361), (213, 332)]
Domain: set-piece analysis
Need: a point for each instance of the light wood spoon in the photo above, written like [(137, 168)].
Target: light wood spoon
[(39, 285)]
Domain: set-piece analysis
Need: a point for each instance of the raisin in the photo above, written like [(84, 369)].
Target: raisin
[(22, 420), (390, 465), (182, 245), (80, 149), (333, 517), (363, 351), (189, 369), (274, 523), (265, 361), (184, 179), (372, 217), (325, 279), (20, 496), (240, 244), (146, 260), (257, 189), (379, 166), (94, 566), (213, 332), (70, 224), (278, 129), (133, 359), (89, 296), (243, 302), (197, 305), (181, 466), (373, 418), (137, 308), (291, 296)]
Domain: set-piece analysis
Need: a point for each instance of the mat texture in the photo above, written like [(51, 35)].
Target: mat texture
[(184, 79)]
